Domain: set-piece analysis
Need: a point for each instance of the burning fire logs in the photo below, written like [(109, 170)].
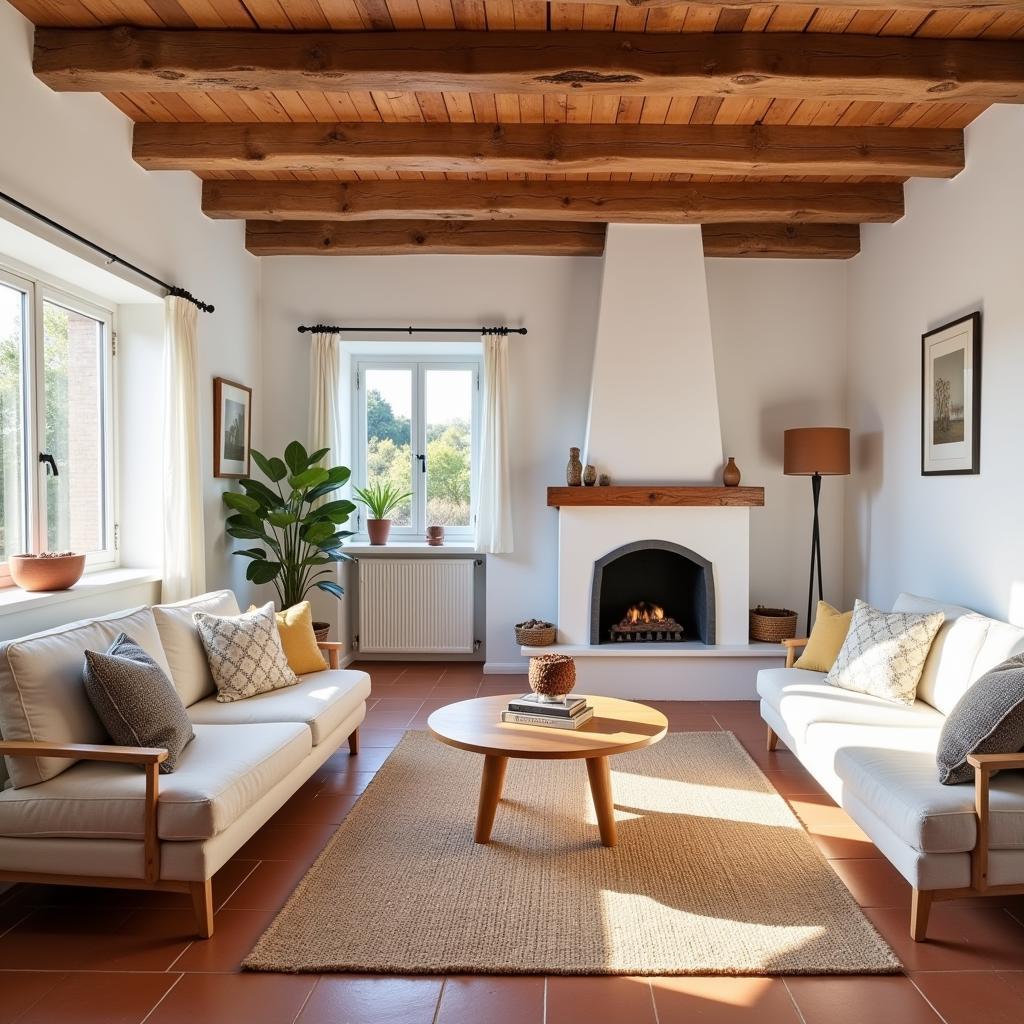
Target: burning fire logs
[(645, 622)]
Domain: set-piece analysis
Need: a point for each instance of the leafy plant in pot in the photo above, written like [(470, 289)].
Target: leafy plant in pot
[(381, 498), (303, 537)]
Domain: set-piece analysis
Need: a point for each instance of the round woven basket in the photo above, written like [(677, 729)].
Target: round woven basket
[(321, 630), (535, 636), (772, 625), (552, 675)]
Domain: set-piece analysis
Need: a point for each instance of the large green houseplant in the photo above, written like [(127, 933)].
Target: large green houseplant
[(302, 536)]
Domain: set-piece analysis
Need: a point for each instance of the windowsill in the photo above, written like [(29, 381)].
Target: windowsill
[(13, 599), (363, 547)]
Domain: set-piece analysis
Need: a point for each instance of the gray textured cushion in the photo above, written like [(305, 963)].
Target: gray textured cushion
[(136, 701), (987, 719)]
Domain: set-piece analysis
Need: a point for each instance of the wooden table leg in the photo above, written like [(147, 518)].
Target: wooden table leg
[(490, 793), (600, 774)]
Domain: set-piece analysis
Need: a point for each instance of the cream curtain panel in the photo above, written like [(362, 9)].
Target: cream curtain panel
[(494, 511), (324, 396), (184, 569)]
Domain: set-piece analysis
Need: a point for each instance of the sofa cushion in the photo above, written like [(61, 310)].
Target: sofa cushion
[(895, 777), (826, 639), (42, 695), (321, 700), (186, 657), (295, 626), (221, 773)]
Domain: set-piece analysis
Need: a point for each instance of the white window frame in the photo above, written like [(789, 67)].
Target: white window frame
[(39, 290), (418, 367)]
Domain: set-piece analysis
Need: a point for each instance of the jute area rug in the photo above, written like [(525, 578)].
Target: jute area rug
[(713, 874)]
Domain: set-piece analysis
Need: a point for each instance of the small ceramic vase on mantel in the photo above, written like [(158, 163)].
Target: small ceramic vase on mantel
[(589, 476), (731, 473), (574, 471)]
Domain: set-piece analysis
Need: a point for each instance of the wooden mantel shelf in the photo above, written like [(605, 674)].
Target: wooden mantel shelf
[(654, 495)]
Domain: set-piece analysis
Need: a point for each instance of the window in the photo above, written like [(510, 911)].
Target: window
[(56, 428), (416, 427)]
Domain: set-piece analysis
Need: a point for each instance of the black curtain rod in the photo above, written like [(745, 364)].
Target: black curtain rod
[(109, 256), (326, 329)]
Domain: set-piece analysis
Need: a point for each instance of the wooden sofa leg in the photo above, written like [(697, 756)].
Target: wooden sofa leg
[(772, 738), (202, 907), (353, 741), (920, 907)]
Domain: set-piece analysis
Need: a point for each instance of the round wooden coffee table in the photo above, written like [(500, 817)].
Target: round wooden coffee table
[(617, 726)]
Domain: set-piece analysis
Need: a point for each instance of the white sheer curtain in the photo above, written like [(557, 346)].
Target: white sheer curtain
[(324, 399), (184, 570), (494, 511)]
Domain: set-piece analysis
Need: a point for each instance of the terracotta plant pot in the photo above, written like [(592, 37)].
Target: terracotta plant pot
[(378, 530), (435, 536), (30, 572)]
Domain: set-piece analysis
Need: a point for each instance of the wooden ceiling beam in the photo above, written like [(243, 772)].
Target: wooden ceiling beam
[(401, 237), (623, 202), (552, 148), (782, 241), (818, 66)]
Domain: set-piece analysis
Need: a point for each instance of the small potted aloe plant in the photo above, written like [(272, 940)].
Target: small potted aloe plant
[(381, 498)]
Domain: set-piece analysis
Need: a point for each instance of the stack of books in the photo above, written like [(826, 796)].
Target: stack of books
[(531, 710)]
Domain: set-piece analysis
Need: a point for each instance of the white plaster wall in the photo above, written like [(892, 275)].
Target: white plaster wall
[(958, 249), (69, 156)]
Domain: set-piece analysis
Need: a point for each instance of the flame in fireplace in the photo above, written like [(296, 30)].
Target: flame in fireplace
[(644, 612)]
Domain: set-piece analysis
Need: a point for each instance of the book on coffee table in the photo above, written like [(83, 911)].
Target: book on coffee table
[(531, 704), (548, 721)]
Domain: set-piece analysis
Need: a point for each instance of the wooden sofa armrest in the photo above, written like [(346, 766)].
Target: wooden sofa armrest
[(792, 646), (984, 765), (333, 651), (149, 757)]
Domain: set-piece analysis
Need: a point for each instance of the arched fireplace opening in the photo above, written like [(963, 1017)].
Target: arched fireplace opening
[(652, 591)]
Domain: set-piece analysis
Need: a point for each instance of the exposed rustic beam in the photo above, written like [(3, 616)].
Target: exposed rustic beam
[(551, 148), (786, 241), (624, 202), (392, 238), (794, 65), (989, 6)]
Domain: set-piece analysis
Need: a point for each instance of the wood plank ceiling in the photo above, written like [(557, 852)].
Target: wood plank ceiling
[(786, 174)]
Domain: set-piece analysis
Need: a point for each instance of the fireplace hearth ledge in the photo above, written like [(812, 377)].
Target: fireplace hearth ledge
[(685, 649)]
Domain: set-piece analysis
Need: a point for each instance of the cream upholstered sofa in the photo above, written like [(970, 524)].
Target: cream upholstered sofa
[(877, 760), (76, 810)]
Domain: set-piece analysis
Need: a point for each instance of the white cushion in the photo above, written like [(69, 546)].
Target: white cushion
[(42, 695), (186, 656), (221, 773), (1002, 641), (321, 700)]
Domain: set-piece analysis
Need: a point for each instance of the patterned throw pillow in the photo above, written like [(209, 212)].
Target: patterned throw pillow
[(245, 653), (987, 719), (136, 701), (884, 653)]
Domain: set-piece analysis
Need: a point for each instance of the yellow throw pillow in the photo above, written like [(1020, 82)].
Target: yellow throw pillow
[(823, 645), (295, 627)]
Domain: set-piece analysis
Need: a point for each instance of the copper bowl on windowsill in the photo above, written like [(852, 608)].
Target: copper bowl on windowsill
[(34, 573)]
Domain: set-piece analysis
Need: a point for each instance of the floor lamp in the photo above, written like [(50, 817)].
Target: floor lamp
[(816, 452)]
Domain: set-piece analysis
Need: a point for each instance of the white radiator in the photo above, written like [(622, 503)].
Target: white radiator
[(416, 605)]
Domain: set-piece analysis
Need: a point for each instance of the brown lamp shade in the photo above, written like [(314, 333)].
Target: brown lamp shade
[(810, 450)]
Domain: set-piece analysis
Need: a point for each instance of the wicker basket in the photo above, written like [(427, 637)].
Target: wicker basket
[(552, 675), (535, 636), (772, 625), (321, 630)]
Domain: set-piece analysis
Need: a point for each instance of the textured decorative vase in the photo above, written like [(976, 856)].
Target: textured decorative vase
[(731, 473), (589, 476), (574, 471), (604, 480), (552, 676), (378, 530)]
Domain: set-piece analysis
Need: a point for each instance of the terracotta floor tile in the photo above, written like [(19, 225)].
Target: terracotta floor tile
[(573, 1000), (397, 706), (402, 691), (100, 998), (380, 737), (363, 999), (287, 842), (972, 998), (377, 719), (20, 990), (499, 689), (852, 1000), (723, 1001), (453, 692), (834, 831), (494, 1000), (344, 782), (685, 722), (267, 888), (367, 760), (793, 781), (423, 673), (321, 809), (230, 998), (874, 882), (235, 933)]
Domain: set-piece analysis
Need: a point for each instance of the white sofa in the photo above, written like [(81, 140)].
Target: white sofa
[(77, 810), (876, 759)]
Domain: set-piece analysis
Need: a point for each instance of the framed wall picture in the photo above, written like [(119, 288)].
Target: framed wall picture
[(232, 428), (951, 398)]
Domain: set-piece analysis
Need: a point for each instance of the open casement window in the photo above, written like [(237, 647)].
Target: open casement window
[(417, 428), (56, 424)]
